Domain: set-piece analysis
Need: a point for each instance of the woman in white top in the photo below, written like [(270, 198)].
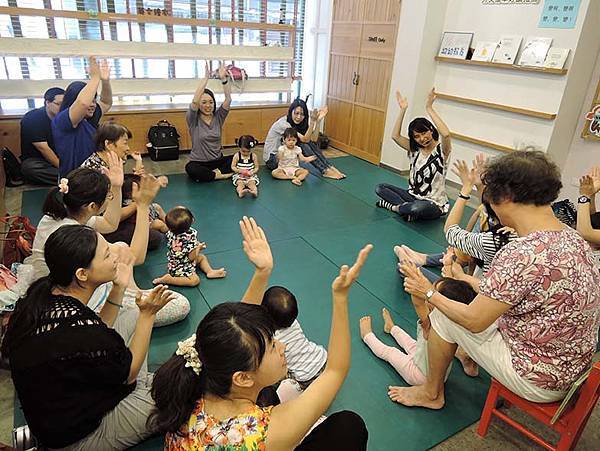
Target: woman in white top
[(80, 199), (429, 156)]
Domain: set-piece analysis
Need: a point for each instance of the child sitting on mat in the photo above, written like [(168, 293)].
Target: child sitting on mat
[(288, 157), (412, 365), (245, 167), (156, 215), (184, 252), (305, 359)]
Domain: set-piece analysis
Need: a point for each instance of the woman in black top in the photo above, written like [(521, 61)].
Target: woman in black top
[(79, 383)]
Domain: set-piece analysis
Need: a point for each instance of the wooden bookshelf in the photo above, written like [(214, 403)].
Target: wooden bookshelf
[(497, 106), (541, 70)]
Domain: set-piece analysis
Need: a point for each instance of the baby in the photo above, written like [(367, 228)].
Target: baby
[(184, 252), (245, 167), (156, 215), (305, 359), (288, 157)]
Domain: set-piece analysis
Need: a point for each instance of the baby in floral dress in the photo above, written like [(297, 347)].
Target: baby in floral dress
[(184, 253)]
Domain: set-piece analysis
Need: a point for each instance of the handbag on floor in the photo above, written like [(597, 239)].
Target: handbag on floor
[(19, 239), (163, 141)]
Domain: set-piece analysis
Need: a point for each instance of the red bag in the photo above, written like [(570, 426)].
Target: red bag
[(18, 242), (236, 74)]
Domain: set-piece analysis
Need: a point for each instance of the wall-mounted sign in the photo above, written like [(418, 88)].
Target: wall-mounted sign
[(559, 14), (591, 127), (510, 2), (455, 45)]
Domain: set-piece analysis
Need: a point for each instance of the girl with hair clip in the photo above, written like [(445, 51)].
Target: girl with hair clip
[(206, 393), (428, 148), (205, 122), (82, 377), (245, 166), (80, 199), (308, 132)]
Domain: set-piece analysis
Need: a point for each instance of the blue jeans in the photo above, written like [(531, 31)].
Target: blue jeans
[(411, 208), (434, 260), (271, 163), (309, 149)]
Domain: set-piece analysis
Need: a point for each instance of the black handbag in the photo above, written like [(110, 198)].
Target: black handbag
[(163, 141)]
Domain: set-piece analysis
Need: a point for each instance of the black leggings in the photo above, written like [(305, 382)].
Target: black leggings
[(202, 171), (343, 430), (125, 233)]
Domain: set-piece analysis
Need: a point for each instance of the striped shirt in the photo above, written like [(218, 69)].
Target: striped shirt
[(478, 245), (304, 358), (245, 165)]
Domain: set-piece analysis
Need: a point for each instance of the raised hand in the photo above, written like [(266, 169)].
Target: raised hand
[(586, 186), (431, 98), (144, 192), (415, 283), (223, 74), (115, 170), (323, 112), (314, 115), (595, 175), (155, 300), (467, 175), (479, 167), (93, 67), (348, 275), (206, 69), (104, 70), (402, 101), (255, 244)]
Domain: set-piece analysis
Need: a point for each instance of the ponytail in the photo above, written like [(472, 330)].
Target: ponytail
[(54, 205)]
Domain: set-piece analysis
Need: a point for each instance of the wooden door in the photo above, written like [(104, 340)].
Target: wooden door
[(362, 50)]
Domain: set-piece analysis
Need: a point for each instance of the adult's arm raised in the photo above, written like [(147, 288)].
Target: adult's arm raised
[(441, 126), (402, 141), (87, 96), (195, 105)]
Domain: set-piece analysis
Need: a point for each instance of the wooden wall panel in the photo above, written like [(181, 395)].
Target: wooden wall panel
[(348, 10), (373, 85), (378, 41), (10, 135), (345, 38), (367, 133), (338, 121), (382, 11), (341, 72)]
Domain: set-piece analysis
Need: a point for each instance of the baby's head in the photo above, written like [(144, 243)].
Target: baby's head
[(290, 137), (179, 220), (246, 142), (281, 305), (457, 290)]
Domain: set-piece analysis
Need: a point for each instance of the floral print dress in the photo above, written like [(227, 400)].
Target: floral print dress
[(203, 432), (180, 246)]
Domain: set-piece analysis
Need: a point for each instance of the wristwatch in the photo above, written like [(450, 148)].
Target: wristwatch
[(429, 294), (583, 200)]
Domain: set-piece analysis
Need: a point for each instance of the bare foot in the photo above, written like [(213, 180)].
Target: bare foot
[(331, 173), (163, 180), (340, 174), (253, 192), (161, 280), (469, 365), (416, 257), (415, 397), (388, 322), (220, 176), (401, 254), (297, 182), (365, 326), (216, 273), (241, 193)]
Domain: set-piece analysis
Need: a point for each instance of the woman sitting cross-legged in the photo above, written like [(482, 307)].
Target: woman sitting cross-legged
[(206, 394), (82, 377), (428, 148), (534, 324)]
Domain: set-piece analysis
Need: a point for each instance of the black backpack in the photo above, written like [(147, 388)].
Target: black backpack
[(164, 141), (12, 168)]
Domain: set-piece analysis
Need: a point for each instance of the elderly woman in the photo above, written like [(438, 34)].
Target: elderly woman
[(534, 324), (82, 377)]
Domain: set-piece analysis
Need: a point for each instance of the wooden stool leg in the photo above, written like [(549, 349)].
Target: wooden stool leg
[(490, 405)]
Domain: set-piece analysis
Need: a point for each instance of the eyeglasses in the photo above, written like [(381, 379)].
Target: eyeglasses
[(56, 103)]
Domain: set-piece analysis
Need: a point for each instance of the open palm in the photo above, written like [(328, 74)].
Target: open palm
[(255, 244)]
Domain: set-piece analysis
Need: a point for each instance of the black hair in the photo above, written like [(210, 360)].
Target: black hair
[(110, 131), (71, 94), (51, 94), (302, 127), (595, 219), (78, 243), (212, 96), (420, 125), (290, 133), (85, 186), (281, 305), (232, 337), (246, 142), (457, 290), (522, 177), (179, 219), (127, 188)]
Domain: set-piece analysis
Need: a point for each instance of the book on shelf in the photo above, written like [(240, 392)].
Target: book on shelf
[(535, 51), (484, 51), (507, 49), (556, 58)]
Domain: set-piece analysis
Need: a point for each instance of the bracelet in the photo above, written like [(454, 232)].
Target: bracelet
[(113, 303), (462, 196), (225, 82)]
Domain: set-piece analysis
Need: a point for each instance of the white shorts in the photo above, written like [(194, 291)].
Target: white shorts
[(491, 352)]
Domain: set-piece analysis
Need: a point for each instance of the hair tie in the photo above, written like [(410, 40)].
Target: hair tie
[(187, 349), (63, 186)]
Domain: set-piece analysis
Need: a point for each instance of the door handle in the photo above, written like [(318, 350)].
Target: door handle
[(354, 78), (357, 79)]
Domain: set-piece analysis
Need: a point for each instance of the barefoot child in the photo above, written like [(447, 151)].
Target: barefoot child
[(305, 359), (288, 157), (184, 252), (412, 365), (245, 167)]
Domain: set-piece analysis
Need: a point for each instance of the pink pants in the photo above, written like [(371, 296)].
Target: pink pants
[(402, 363)]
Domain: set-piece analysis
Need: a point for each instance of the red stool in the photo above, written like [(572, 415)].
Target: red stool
[(570, 424)]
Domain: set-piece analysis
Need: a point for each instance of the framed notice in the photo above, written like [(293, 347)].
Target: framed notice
[(559, 14), (455, 45), (591, 128)]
